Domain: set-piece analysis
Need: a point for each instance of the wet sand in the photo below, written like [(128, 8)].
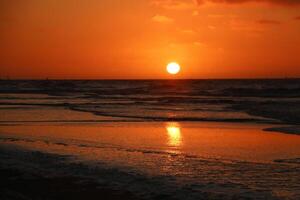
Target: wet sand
[(148, 161), (232, 141)]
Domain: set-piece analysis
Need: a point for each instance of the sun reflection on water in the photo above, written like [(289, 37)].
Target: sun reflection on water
[(174, 134)]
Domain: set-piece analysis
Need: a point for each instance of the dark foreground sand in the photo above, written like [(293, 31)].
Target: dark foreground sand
[(21, 181), (16, 184)]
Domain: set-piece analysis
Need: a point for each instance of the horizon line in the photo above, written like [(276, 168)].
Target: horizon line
[(140, 79)]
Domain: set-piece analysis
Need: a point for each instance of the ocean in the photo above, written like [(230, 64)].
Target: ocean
[(164, 100), (158, 139)]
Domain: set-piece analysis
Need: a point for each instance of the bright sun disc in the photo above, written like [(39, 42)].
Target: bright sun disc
[(173, 68)]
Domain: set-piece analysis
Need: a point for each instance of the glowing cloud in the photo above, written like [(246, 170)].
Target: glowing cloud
[(162, 19)]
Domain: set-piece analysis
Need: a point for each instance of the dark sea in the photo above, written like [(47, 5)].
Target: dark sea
[(274, 101)]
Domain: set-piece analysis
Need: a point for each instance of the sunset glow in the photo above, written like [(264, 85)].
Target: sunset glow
[(133, 39)]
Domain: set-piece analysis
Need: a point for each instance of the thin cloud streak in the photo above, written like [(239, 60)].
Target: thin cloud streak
[(268, 22), (277, 2)]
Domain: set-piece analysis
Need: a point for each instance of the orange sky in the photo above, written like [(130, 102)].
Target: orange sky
[(137, 38)]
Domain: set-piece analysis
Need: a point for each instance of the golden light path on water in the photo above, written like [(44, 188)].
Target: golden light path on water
[(174, 134)]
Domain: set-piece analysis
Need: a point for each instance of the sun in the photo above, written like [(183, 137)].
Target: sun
[(173, 68)]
